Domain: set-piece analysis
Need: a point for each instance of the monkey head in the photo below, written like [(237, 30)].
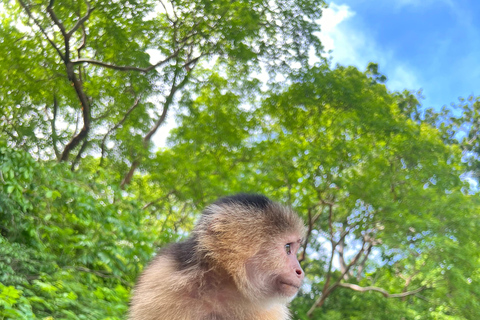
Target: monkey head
[(255, 242)]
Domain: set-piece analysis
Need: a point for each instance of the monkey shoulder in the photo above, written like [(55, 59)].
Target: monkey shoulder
[(174, 269), (164, 291)]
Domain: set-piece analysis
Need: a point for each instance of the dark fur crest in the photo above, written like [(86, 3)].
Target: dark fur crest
[(246, 199)]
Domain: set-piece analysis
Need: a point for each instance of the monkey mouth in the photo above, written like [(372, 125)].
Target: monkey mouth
[(290, 285)]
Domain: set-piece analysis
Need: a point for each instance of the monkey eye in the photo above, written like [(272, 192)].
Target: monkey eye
[(288, 248)]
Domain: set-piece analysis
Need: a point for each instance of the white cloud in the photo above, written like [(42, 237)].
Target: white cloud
[(331, 18), (401, 78), (352, 44), (338, 36)]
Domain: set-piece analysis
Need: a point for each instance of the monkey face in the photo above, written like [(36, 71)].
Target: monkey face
[(275, 271), (290, 274)]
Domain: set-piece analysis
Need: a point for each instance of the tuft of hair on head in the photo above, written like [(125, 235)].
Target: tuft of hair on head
[(249, 200), (250, 210)]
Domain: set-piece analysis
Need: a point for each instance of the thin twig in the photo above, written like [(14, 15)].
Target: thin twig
[(384, 292), (81, 21), (135, 104)]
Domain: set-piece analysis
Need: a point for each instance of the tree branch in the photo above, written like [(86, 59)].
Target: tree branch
[(188, 65), (361, 265), (341, 258), (146, 140), (166, 11), (326, 291), (127, 68), (85, 104), (56, 21), (163, 116), (79, 155), (384, 292), (128, 178), (37, 23), (84, 42), (151, 203), (135, 104), (81, 21), (351, 264), (326, 287), (77, 84), (54, 129), (311, 222)]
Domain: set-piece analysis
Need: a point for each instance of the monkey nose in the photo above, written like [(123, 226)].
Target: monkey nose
[(298, 271)]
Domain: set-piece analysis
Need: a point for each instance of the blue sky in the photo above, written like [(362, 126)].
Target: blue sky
[(433, 45)]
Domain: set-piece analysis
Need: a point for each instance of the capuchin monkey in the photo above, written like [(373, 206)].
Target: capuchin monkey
[(240, 263)]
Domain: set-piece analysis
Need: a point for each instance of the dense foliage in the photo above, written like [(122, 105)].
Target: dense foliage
[(388, 190)]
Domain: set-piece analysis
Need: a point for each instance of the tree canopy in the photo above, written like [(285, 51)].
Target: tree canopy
[(387, 188)]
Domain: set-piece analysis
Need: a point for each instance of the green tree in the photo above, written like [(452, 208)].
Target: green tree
[(70, 246), (100, 77)]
